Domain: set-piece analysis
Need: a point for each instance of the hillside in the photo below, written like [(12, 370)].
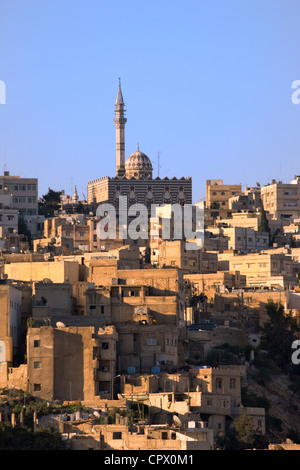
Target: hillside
[(283, 417)]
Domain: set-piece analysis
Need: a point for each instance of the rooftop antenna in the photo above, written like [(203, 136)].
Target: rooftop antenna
[(158, 166), (5, 159), (280, 174)]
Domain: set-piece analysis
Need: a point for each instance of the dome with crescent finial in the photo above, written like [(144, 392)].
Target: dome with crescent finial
[(138, 165)]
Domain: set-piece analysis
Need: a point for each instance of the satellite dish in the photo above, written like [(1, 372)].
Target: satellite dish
[(96, 414), (177, 421), (119, 396), (60, 324)]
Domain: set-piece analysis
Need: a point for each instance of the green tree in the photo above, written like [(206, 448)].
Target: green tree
[(23, 228), (278, 334), (21, 438), (264, 224), (49, 203), (243, 435)]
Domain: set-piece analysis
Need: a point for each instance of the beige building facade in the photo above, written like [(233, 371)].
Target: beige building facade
[(262, 269), (10, 324), (176, 253), (282, 200), (24, 193), (71, 363), (218, 194), (37, 271)]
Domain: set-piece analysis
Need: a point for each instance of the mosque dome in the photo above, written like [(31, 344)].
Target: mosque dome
[(138, 165)]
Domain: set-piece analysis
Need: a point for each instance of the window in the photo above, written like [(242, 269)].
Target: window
[(105, 346), (37, 387), (117, 435), (218, 383), (290, 204), (37, 365), (164, 435), (151, 341), (232, 383), (133, 293), (102, 309), (36, 343)]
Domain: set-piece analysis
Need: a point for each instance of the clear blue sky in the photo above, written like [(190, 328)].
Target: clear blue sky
[(205, 82)]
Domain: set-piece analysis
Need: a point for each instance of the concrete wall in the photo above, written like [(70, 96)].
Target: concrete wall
[(56, 271)]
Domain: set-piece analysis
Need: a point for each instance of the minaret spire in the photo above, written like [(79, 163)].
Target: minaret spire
[(120, 122), (120, 96)]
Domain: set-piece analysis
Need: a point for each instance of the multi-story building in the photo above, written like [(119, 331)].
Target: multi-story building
[(24, 193), (10, 328), (9, 236), (262, 269), (218, 194), (71, 363), (216, 282), (168, 253), (143, 348), (244, 239), (67, 234), (58, 270), (282, 200), (213, 393), (249, 200)]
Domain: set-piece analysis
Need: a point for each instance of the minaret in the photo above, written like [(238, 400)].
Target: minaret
[(75, 195), (120, 122)]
